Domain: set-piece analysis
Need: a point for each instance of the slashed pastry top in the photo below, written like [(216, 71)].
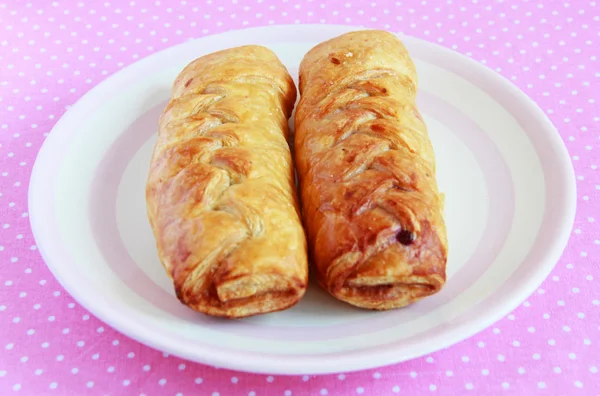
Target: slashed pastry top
[(371, 205), (220, 194)]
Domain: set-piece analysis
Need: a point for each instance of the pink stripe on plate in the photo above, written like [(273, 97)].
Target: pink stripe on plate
[(554, 234)]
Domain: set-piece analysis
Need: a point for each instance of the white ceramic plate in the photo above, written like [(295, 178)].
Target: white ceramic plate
[(505, 171)]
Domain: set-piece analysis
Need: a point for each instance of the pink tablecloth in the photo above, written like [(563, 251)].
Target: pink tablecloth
[(51, 53)]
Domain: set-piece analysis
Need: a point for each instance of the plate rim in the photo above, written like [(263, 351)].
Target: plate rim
[(310, 364)]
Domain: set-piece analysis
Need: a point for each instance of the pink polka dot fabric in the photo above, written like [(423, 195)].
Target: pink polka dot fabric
[(51, 53)]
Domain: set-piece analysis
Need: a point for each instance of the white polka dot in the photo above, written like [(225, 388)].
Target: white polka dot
[(270, 378), (360, 390), (74, 370), (449, 373), (432, 387), (396, 389), (90, 384), (198, 380), (557, 370), (127, 382), (341, 377), (485, 372), (578, 384), (53, 385), (505, 385), (541, 385)]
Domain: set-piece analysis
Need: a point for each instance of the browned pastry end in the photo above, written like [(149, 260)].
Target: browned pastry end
[(371, 206), (220, 194)]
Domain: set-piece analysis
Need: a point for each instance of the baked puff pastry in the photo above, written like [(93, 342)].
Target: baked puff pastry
[(366, 166), (220, 194)]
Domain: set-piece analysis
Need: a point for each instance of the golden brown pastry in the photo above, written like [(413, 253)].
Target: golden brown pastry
[(366, 166), (221, 197)]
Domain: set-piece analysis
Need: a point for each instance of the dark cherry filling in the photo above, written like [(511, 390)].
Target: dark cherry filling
[(406, 237)]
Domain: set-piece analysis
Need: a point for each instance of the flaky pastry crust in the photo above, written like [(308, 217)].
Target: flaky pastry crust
[(371, 206), (220, 194)]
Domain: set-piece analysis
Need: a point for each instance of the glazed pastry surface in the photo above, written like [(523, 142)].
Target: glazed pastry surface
[(371, 206), (220, 194)]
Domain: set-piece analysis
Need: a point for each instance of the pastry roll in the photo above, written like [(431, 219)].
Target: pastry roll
[(220, 193), (366, 166)]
